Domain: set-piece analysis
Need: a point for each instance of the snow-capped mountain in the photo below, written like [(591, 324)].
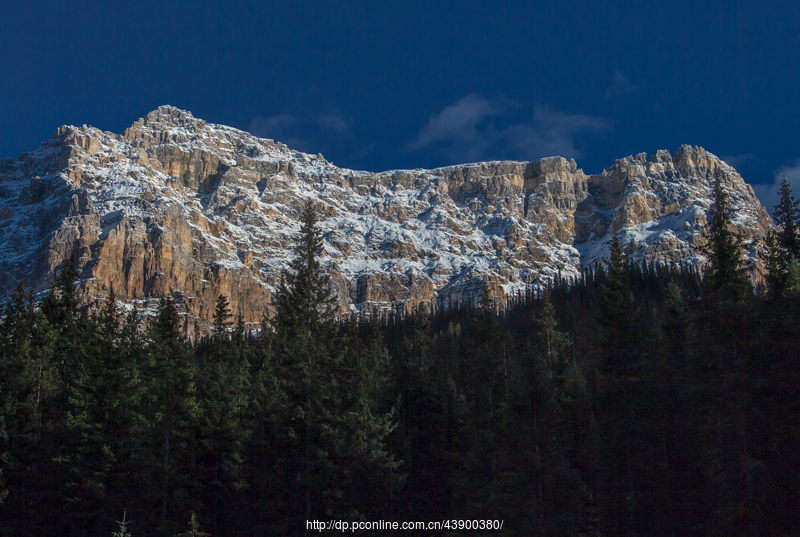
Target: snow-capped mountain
[(181, 207)]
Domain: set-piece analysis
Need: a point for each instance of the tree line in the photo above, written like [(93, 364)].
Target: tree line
[(635, 400)]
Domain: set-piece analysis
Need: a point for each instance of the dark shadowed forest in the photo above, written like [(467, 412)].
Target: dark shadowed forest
[(637, 400)]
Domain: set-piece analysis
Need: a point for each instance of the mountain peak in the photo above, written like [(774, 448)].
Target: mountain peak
[(179, 207), (169, 114), (163, 123)]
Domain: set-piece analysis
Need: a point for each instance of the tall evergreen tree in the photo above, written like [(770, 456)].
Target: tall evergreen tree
[(93, 417), (222, 390), (622, 352), (784, 246), (787, 218), (726, 270), (172, 413), (265, 506), (304, 300), (721, 387), (61, 303), (15, 329), (617, 312), (327, 428)]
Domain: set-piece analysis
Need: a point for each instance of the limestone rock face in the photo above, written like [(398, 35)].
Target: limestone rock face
[(176, 206)]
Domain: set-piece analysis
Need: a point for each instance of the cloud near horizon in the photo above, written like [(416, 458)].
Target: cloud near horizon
[(320, 132), (739, 159), (464, 132), (456, 128), (768, 194), (554, 133)]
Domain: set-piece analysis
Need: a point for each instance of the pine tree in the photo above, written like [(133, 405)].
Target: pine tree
[(222, 317), (304, 331), (97, 412), (784, 247), (776, 277), (787, 218), (172, 414), (61, 303), (124, 410), (622, 351), (304, 300), (726, 271), (722, 383), (329, 431), (194, 529), (266, 509), (223, 391), (15, 330), (617, 312), (123, 527)]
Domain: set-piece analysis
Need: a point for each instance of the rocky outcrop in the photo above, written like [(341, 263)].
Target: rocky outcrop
[(176, 206)]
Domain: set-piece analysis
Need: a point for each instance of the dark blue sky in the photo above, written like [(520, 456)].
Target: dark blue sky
[(381, 84)]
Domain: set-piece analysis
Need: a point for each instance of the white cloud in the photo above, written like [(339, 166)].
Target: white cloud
[(768, 194), (554, 133), (283, 128), (739, 159), (464, 132), (335, 123), (320, 132), (457, 128), (620, 86)]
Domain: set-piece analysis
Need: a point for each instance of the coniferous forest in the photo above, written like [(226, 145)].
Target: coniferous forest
[(637, 400)]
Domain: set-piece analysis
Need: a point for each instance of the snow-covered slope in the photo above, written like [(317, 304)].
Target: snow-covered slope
[(178, 206)]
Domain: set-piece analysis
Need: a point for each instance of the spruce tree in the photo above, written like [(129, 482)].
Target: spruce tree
[(304, 300), (722, 384), (330, 432), (265, 509), (304, 331), (783, 247), (61, 303), (787, 218), (15, 329), (222, 392), (726, 271), (621, 349), (617, 312), (172, 414), (94, 420)]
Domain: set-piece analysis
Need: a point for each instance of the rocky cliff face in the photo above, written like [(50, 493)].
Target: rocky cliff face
[(176, 206)]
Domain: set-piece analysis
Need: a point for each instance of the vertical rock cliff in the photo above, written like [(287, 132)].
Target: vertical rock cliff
[(176, 206)]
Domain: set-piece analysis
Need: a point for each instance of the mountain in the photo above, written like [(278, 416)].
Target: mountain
[(177, 206)]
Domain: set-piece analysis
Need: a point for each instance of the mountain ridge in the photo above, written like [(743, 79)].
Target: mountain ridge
[(178, 206)]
